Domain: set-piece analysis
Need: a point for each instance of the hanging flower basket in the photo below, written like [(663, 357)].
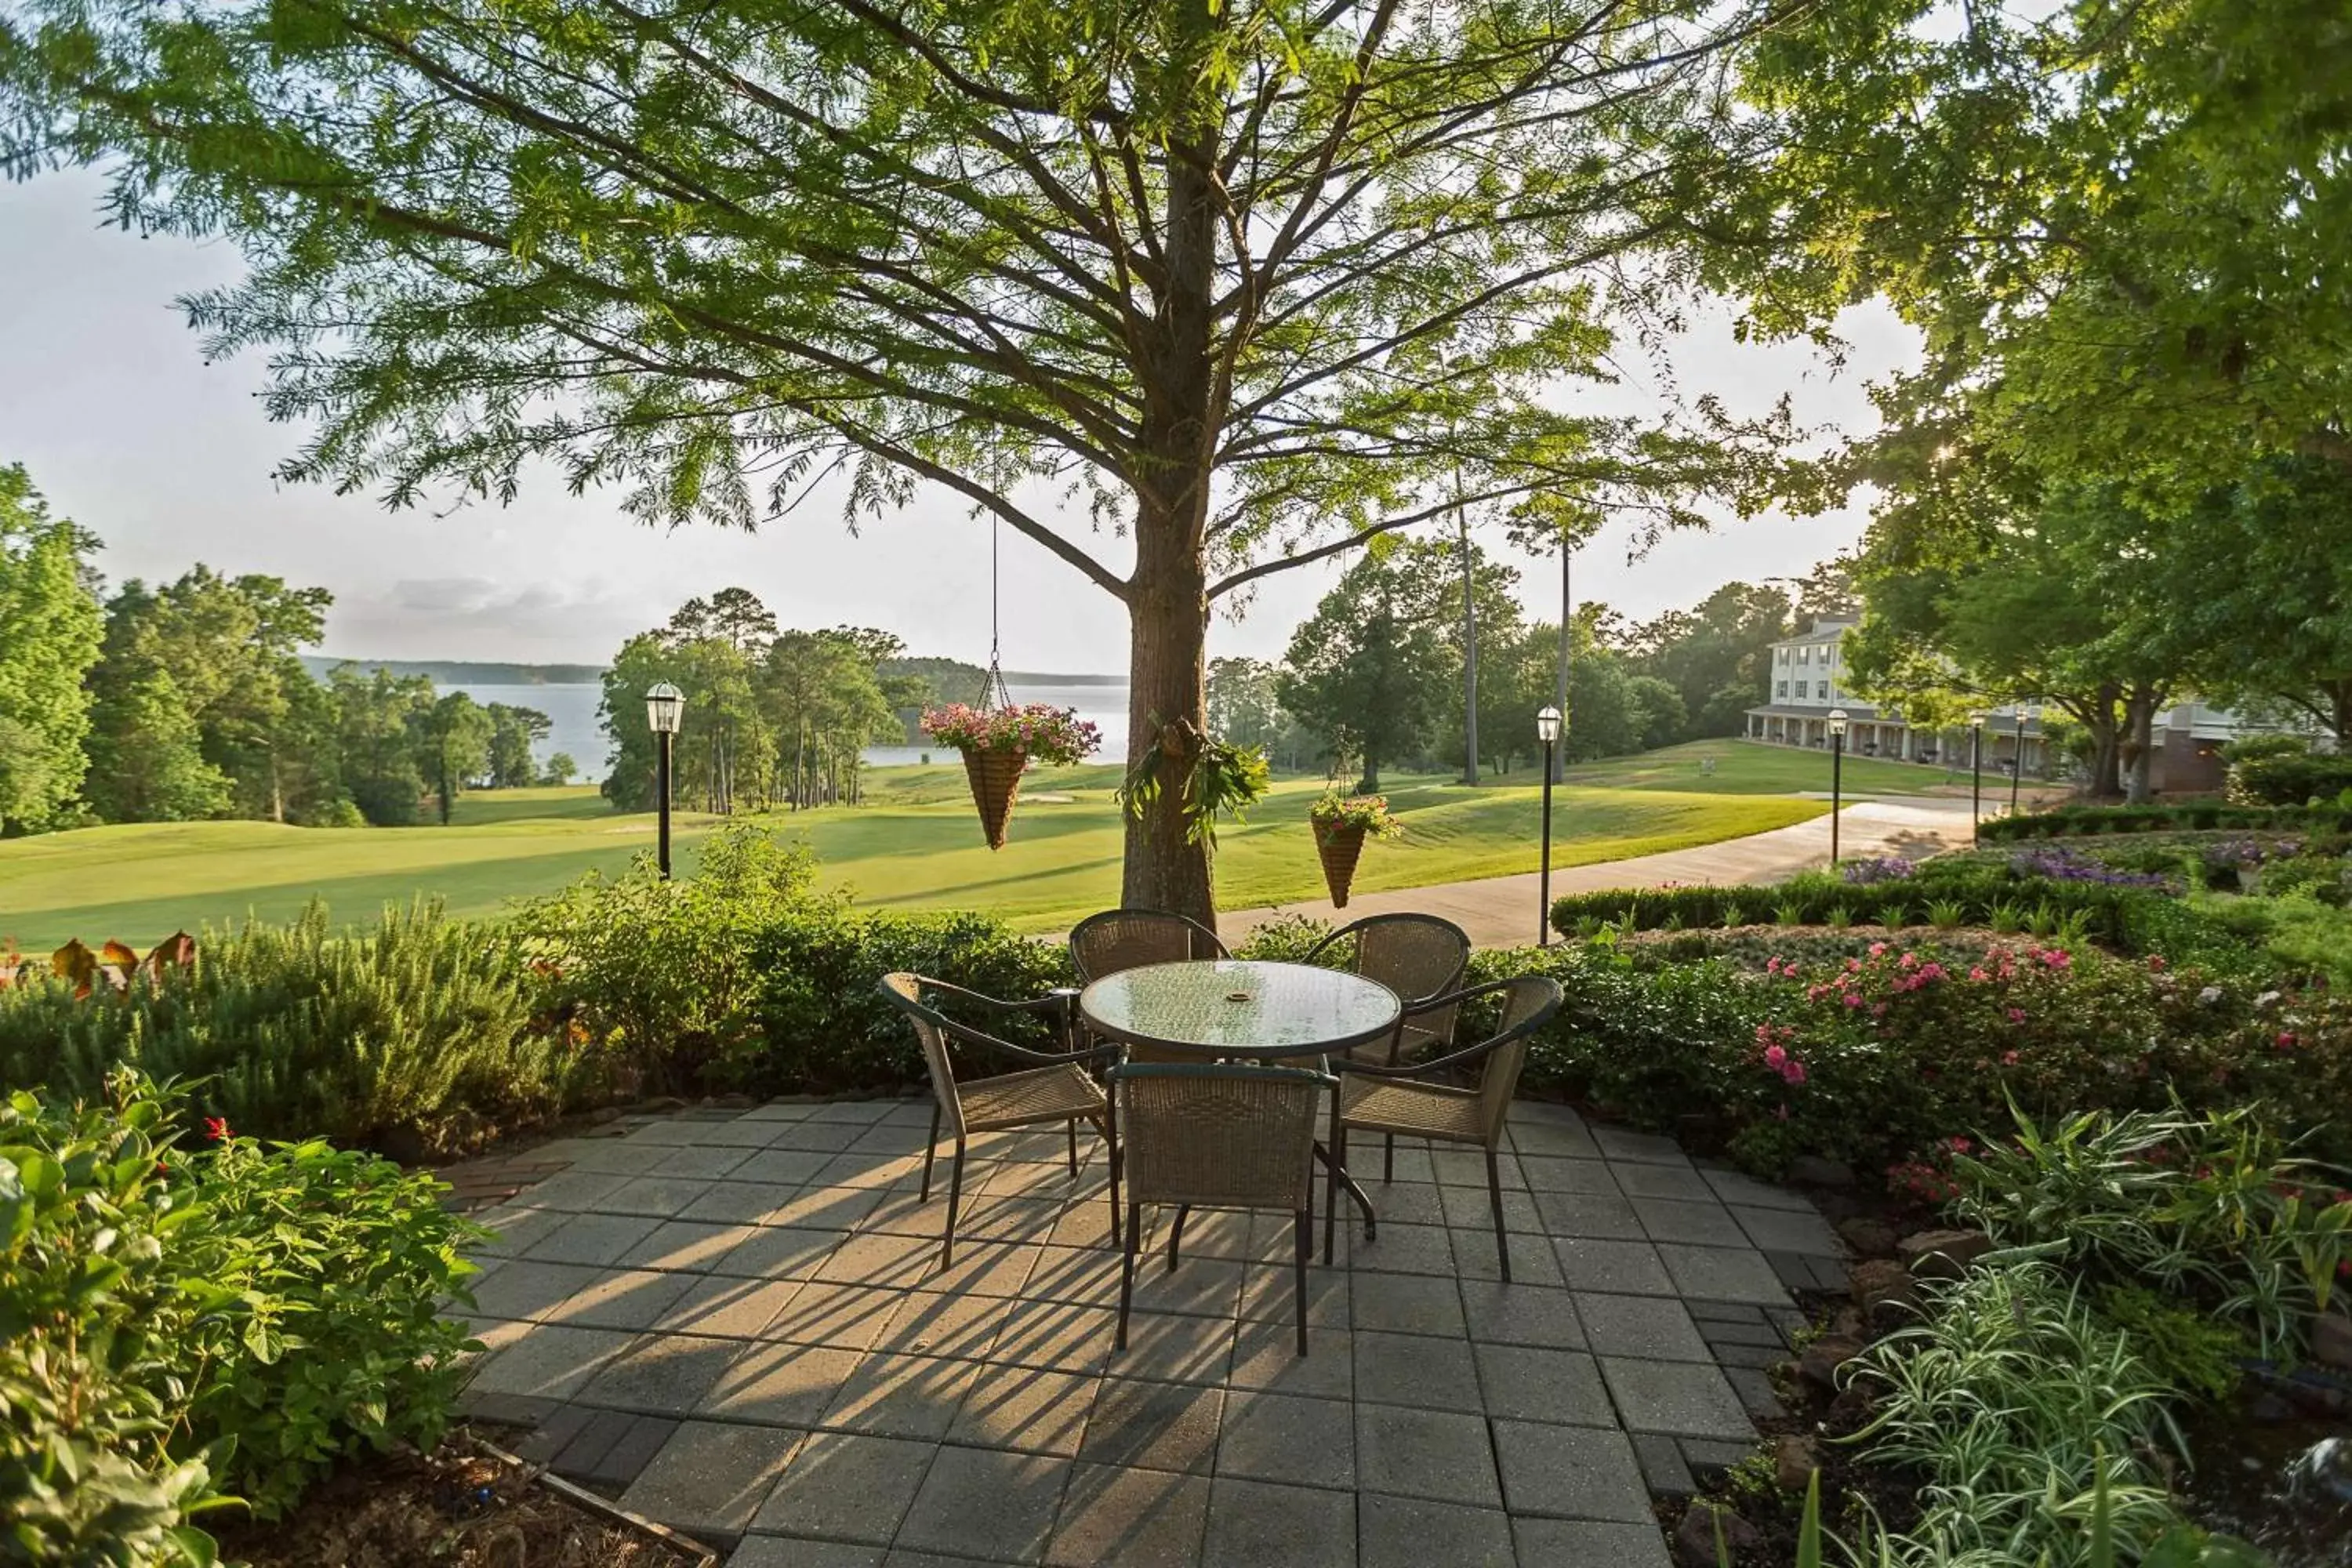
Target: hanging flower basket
[(1341, 823), (999, 744)]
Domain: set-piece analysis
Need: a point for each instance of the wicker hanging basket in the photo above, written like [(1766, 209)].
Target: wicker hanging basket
[(1338, 845), (995, 778)]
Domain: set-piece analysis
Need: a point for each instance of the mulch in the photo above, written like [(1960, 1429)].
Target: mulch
[(455, 1508)]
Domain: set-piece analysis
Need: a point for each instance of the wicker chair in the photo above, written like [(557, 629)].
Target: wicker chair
[(1419, 957), (1403, 1101), (1119, 940), (1217, 1135), (1058, 1088)]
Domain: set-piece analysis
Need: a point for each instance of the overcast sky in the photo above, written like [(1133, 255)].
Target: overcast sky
[(105, 398)]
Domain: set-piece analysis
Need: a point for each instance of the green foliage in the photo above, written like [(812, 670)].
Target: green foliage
[(2313, 779), (49, 637), (2191, 1352), (179, 1327), (1369, 671), (2028, 1415), (1223, 779), (415, 1029), (2208, 1208)]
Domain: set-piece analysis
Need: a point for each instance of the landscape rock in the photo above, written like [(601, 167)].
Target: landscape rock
[(1943, 1254), (1794, 1463), (1869, 1237), (1818, 1363), (1694, 1536), (1848, 1321), (605, 1116), (1878, 1283), (1849, 1411), (659, 1103), (1813, 1170), (2331, 1341)]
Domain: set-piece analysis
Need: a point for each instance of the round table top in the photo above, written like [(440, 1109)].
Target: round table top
[(1230, 1007)]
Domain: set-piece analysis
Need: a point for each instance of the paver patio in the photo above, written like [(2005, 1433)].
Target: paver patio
[(737, 1324)]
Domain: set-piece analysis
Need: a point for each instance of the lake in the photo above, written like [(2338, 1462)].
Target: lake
[(571, 711)]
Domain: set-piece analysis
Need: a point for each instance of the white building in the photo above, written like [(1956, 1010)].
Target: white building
[(1807, 681)]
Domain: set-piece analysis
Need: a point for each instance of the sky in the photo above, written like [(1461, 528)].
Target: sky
[(106, 399)]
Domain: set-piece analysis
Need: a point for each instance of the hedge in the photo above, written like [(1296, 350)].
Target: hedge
[(2085, 821), (2293, 780)]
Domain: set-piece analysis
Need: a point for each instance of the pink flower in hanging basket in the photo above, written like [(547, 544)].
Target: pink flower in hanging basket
[(1044, 734)]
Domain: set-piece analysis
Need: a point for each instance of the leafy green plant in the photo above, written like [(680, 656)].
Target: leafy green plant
[(1837, 916), (2192, 1353), (1222, 780), (1946, 914), (1789, 913), (179, 1327), (1369, 813)]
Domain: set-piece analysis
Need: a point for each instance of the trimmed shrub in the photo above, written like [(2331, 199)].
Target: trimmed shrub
[(2196, 816), (2291, 780), (178, 1327), (412, 1034)]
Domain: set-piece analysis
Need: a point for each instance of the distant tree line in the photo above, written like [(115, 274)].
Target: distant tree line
[(183, 700), (774, 717), (1373, 679)]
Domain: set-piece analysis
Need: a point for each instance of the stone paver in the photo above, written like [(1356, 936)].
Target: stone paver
[(740, 1325)]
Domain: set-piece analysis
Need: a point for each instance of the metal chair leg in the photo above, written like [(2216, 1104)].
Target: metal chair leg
[(1110, 1146), (1127, 1267), (1176, 1234), (930, 1152), (1388, 1158), (1071, 1127), (1305, 1244), (1495, 1193), (1331, 1191), (955, 1202)]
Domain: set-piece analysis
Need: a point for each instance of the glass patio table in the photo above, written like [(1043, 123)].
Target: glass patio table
[(1236, 1010)]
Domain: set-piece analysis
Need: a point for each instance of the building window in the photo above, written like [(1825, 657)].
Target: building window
[(1800, 688), (1805, 654), (1782, 654), (1780, 689)]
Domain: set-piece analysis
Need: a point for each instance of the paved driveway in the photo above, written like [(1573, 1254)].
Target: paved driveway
[(737, 1324)]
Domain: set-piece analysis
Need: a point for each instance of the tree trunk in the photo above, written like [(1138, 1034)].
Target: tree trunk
[(2139, 717), (1168, 642)]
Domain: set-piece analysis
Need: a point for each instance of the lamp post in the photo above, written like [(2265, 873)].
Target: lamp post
[(2017, 760), (1976, 778), (665, 707), (1547, 731), (1837, 776)]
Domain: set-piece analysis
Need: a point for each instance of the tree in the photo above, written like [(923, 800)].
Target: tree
[(2123, 226), (454, 736), (1725, 641), (151, 765), (514, 730), (561, 769), (1659, 718), (1368, 671), (1261, 282), (50, 628), (377, 718)]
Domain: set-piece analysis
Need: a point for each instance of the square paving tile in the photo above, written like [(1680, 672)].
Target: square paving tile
[(902, 1395), (736, 1202), (515, 1229), (1209, 1286), (622, 1298), (1521, 1315), (1441, 1454), (1548, 1174), (1734, 1187), (1154, 1426), (1677, 1181), (776, 1252), (546, 1360), (784, 1552), (523, 1288), (1473, 1209), (1524, 1383), (662, 1197), (927, 1323), (1406, 1303), (662, 1374), (1022, 1408), (1175, 1347), (1404, 1250), (1571, 1472), (985, 1503), (711, 1476), (1723, 1274), (1567, 1540), (847, 1486), (1415, 1370), (1787, 1230), (1458, 1167), (575, 1190), (1257, 1524), (702, 1158), (1708, 1224), (1055, 1335), (781, 1384), (1415, 1533), (790, 1168), (1625, 1267), (1599, 1215), (731, 1309), (1689, 1399), (602, 1240), (1265, 1356), (1133, 1518), (1270, 1294), (839, 1208), (825, 1136), (1532, 1262), (1623, 1144), (1643, 1326), (1277, 1437), (680, 1244), (851, 1317)]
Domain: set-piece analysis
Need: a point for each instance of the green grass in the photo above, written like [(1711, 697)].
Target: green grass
[(915, 844)]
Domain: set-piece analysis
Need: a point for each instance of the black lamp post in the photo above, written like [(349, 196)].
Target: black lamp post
[(1976, 778), (2016, 761), (665, 707), (1837, 776), (1547, 731)]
